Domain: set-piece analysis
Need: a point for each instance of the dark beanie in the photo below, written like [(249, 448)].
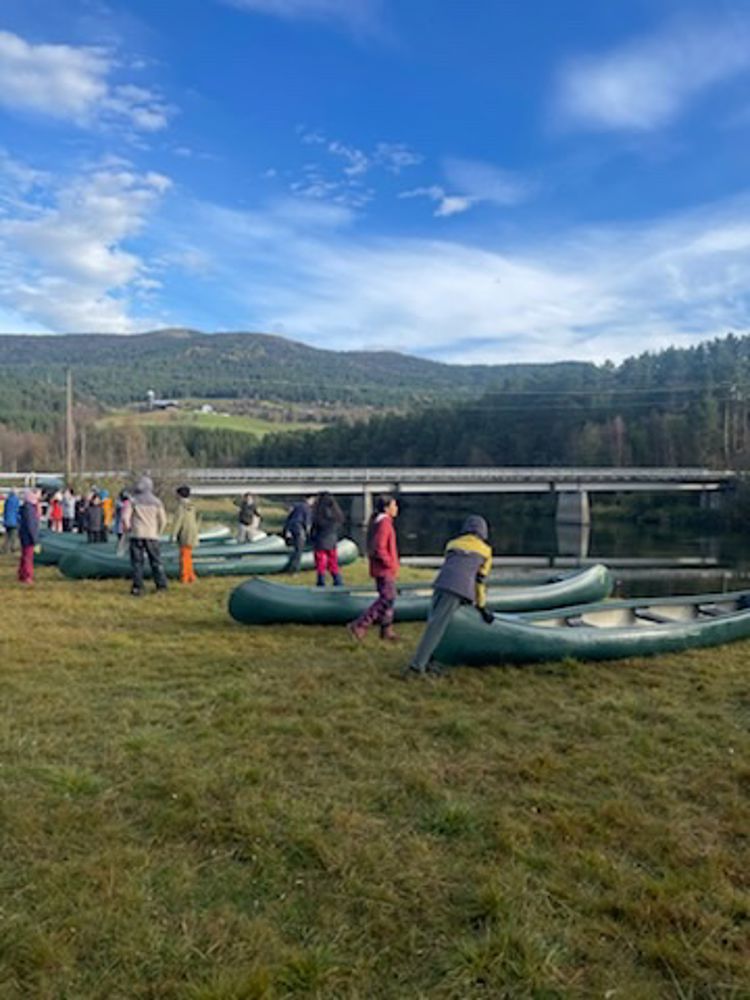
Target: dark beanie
[(476, 525), (183, 491)]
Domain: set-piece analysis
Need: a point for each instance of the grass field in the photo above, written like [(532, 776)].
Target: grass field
[(208, 421), (193, 809)]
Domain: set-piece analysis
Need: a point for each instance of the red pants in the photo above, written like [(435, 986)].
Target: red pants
[(26, 564), (187, 573), (326, 559)]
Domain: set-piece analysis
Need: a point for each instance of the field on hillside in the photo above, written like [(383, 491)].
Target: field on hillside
[(208, 421), (195, 809)]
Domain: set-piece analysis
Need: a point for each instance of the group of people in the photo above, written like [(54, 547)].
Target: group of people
[(139, 519), (461, 580)]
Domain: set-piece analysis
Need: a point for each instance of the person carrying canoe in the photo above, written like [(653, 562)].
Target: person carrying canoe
[(461, 580), (384, 565), (185, 534)]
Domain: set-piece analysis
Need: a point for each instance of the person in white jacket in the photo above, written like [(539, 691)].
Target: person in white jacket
[(147, 521)]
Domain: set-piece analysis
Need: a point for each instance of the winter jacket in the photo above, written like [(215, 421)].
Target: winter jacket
[(468, 561), (382, 548), (94, 518), (185, 527), (28, 524), (299, 518), (325, 531), (248, 511), (148, 518), (10, 511)]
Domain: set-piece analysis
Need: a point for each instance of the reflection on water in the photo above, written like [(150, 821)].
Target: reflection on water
[(646, 558)]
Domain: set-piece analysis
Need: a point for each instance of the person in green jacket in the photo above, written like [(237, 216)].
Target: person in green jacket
[(185, 534)]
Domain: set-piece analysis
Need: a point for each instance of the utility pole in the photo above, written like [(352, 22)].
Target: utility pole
[(69, 429)]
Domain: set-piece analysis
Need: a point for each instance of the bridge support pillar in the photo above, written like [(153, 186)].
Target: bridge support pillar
[(711, 499), (573, 507), (362, 508)]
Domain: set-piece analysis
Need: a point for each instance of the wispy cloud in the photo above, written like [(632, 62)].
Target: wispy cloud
[(74, 85), (360, 15), (341, 179), (645, 84), (446, 204), (588, 294), (65, 263)]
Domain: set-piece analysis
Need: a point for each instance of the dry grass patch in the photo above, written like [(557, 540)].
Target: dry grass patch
[(195, 809)]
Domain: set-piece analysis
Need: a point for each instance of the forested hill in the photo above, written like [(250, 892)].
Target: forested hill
[(116, 370), (677, 407)]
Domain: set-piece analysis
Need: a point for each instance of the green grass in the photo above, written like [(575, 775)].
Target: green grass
[(195, 809), (208, 421)]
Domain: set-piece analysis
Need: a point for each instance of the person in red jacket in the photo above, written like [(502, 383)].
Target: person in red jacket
[(383, 553)]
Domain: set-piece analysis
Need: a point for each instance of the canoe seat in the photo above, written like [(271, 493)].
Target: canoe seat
[(710, 610), (647, 615), (576, 621)]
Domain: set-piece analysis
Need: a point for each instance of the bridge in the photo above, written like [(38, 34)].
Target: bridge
[(572, 486)]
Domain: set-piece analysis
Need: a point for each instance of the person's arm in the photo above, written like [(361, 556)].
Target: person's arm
[(178, 523), (481, 582)]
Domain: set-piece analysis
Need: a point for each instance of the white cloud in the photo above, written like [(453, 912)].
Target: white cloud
[(648, 82), (65, 265), (73, 84), (486, 182), (586, 294), (362, 15), (447, 204)]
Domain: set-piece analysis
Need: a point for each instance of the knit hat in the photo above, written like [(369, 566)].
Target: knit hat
[(476, 525)]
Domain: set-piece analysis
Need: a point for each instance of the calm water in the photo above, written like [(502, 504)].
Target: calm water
[(646, 558)]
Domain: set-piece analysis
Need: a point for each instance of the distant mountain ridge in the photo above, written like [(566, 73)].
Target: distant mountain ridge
[(116, 370)]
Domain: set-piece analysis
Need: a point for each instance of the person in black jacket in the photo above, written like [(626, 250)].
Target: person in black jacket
[(296, 531), (326, 520)]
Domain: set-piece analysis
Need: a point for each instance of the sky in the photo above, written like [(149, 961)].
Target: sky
[(463, 180)]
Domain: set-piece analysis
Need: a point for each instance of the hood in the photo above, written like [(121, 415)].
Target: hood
[(143, 492), (476, 525)]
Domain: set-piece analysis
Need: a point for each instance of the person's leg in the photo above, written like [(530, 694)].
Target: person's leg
[(154, 559), (243, 533), (187, 573), (321, 561), (298, 544), (26, 564), (136, 562), (387, 592), (441, 611), (333, 568), (379, 612)]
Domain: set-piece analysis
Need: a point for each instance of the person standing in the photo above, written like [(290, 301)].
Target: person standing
[(185, 534), (95, 530), (56, 512), (461, 580), (326, 520), (122, 517), (69, 509), (248, 518), (10, 521), (28, 535), (382, 550), (147, 521), (296, 531)]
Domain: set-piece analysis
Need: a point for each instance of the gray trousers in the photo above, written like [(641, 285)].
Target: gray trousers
[(441, 612)]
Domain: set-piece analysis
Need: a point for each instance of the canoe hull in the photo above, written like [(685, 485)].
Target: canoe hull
[(521, 639), (88, 564), (260, 602)]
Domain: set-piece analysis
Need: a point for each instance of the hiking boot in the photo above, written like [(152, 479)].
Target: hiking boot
[(357, 632), (410, 672)]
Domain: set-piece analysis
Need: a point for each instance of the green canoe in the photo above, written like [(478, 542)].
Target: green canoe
[(260, 602), (91, 563), (607, 631), (55, 546)]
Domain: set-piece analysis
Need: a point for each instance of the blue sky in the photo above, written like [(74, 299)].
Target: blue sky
[(467, 180)]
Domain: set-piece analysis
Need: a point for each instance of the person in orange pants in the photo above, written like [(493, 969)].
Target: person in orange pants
[(185, 534)]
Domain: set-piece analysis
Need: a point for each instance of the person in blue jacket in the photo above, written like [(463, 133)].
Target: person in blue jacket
[(296, 531), (10, 521), (28, 534)]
